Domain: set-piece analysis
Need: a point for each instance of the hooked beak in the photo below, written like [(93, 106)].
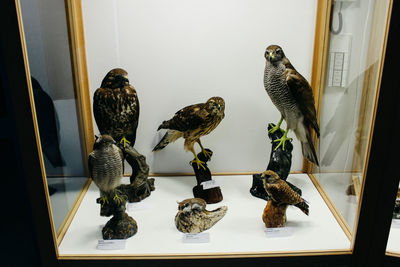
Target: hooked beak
[(271, 56)]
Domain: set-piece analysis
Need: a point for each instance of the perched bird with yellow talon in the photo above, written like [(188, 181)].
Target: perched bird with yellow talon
[(116, 107), (106, 166), (191, 123), (281, 193), (292, 95)]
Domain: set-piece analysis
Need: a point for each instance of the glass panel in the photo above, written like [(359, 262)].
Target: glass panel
[(46, 36), (347, 104)]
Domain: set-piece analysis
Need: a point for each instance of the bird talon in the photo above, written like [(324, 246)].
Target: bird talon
[(103, 200), (206, 153), (124, 141), (118, 199), (282, 142), (275, 128), (199, 163)]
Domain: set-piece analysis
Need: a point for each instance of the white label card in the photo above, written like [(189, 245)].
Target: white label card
[(196, 238), (209, 184), (396, 223), (137, 206), (278, 232), (113, 244)]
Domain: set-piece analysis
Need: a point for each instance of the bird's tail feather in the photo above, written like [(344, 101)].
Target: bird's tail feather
[(307, 145), (308, 149), (169, 137), (303, 206)]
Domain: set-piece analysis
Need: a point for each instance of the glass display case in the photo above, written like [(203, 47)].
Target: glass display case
[(178, 53)]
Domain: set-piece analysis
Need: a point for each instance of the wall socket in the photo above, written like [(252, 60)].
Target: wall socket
[(339, 59)]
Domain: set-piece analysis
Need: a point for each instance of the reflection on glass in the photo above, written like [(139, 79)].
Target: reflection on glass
[(352, 72), (46, 37)]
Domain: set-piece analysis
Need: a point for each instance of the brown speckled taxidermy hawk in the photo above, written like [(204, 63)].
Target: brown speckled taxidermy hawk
[(281, 193), (292, 95), (191, 123), (116, 107)]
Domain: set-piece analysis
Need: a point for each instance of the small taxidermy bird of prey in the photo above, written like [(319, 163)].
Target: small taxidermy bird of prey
[(281, 193), (191, 123), (106, 166), (116, 107), (192, 216), (293, 96)]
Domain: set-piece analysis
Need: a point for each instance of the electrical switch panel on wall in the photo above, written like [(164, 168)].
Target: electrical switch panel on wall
[(339, 58)]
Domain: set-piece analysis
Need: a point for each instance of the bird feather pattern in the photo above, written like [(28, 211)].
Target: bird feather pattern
[(292, 95), (281, 193), (106, 164), (116, 107), (191, 123), (192, 216)]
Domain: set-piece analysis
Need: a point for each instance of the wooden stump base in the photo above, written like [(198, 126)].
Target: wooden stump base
[(211, 195), (274, 215)]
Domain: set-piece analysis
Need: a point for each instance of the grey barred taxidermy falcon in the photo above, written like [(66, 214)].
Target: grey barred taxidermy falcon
[(281, 193), (293, 96), (191, 123), (116, 107), (106, 166), (192, 216)]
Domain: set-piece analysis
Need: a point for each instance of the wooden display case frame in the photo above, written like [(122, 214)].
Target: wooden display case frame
[(49, 245)]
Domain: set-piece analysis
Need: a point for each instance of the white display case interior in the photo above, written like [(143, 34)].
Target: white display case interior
[(240, 233)]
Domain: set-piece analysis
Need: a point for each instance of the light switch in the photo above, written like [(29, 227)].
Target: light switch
[(339, 58)]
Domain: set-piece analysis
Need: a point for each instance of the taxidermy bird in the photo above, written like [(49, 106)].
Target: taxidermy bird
[(116, 107), (106, 166), (192, 216), (293, 96), (48, 125), (191, 123), (281, 193)]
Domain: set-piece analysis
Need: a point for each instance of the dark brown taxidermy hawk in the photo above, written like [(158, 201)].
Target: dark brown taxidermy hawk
[(191, 123), (293, 96), (116, 107)]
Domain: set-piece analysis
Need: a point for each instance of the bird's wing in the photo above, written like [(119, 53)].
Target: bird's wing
[(103, 104), (288, 195), (188, 118), (281, 193), (274, 193), (130, 113), (302, 92)]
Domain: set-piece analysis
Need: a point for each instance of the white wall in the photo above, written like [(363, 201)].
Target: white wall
[(181, 52)]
